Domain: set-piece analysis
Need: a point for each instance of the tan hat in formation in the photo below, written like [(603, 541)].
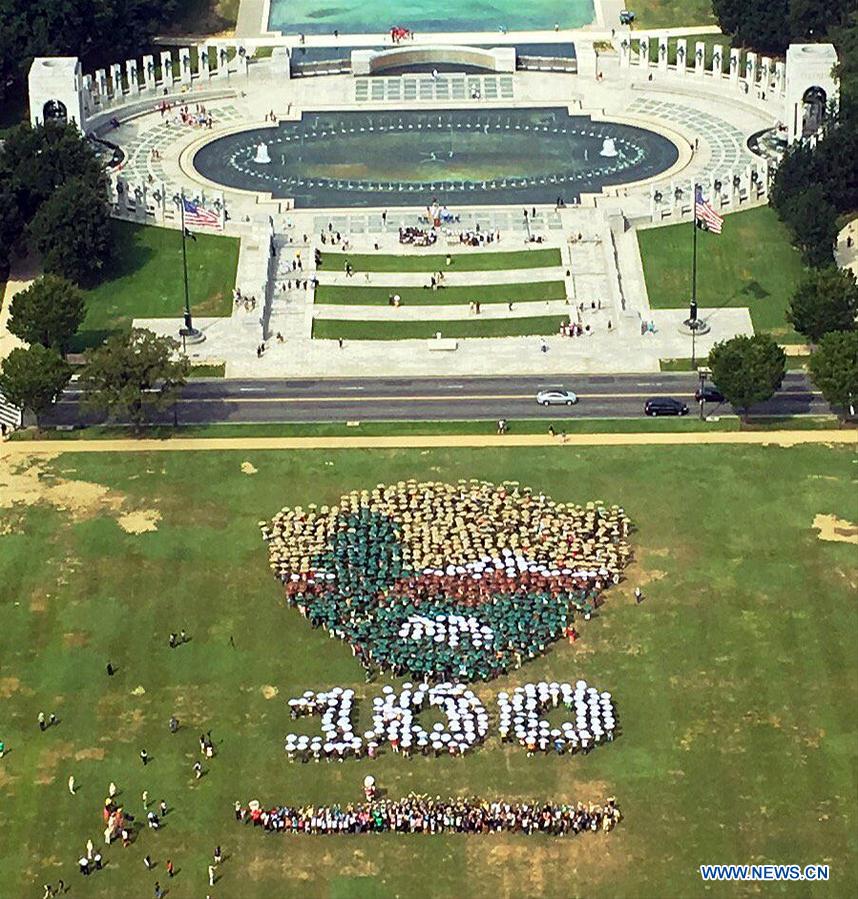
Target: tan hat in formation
[(441, 524)]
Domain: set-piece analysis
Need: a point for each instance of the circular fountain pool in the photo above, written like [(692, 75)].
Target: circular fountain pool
[(406, 158)]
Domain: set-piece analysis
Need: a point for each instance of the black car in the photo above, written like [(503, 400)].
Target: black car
[(665, 405), (708, 394)]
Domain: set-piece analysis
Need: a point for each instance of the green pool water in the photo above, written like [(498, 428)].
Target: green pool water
[(373, 16)]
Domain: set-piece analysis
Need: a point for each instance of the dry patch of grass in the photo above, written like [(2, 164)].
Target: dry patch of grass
[(836, 529), (140, 521)]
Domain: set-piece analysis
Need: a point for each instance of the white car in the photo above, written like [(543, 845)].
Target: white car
[(556, 396)]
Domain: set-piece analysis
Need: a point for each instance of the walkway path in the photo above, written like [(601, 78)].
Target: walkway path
[(21, 275), (25, 448)]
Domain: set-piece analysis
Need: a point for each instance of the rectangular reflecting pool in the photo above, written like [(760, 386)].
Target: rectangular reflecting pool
[(374, 16)]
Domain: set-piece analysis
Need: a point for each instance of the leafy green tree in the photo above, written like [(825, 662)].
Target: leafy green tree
[(48, 312), (51, 172), (813, 222), (747, 370), (33, 378), (71, 231), (827, 300), (133, 374), (834, 369)]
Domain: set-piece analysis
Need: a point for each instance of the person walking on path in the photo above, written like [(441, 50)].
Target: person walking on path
[(147, 860), (42, 724), (170, 869), (174, 724), (111, 790), (162, 808), (211, 875), (110, 669), (71, 784), (145, 800), (198, 770), (218, 855), (638, 595), (159, 893), (89, 849), (83, 863), (144, 757)]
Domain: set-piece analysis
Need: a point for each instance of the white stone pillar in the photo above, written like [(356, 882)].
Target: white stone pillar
[(699, 58), (185, 65), (116, 79), (131, 76), (203, 71), (780, 70), (241, 60), (223, 61), (751, 70), (88, 95), (167, 78), (662, 53), (717, 61), (149, 72), (681, 56), (735, 62), (101, 85), (766, 71)]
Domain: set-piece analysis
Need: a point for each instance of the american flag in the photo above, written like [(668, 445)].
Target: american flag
[(705, 215), (196, 215)]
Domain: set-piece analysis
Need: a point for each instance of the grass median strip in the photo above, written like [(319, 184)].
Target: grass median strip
[(462, 261), (336, 295), (343, 329)]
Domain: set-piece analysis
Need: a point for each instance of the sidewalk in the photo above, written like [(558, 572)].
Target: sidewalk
[(25, 448)]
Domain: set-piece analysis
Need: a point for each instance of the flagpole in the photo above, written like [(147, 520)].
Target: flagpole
[(189, 324), (693, 309), (188, 333)]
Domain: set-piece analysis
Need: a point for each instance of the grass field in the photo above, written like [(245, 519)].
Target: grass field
[(751, 263), (735, 680), (145, 280), (529, 292), (333, 329), (671, 13), (462, 261)]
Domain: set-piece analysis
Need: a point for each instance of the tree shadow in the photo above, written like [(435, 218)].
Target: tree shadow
[(755, 289)]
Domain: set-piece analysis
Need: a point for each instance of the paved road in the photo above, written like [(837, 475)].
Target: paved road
[(429, 399)]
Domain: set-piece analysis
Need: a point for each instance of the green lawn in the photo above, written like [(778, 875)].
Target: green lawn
[(671, 13), (145, 280), (751, 263), (735, 680), (793, 363), (333, 329), (215, 370), (529, 292), (462, 261)]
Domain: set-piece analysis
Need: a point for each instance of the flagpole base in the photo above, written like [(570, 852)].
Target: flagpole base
[(694, 327), (191, 335)]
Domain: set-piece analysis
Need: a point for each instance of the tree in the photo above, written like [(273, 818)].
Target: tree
[(48, 312), (827, 300), (813, 222), (71, 230), (51, 173), (33, 378), (747, 370), (834, 369), (133, 373)]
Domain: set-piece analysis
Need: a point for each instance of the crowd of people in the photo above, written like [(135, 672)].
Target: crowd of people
[(394, 723), (518, 566), (433, 815), (417, 237), (474, 237), (521, 717)]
